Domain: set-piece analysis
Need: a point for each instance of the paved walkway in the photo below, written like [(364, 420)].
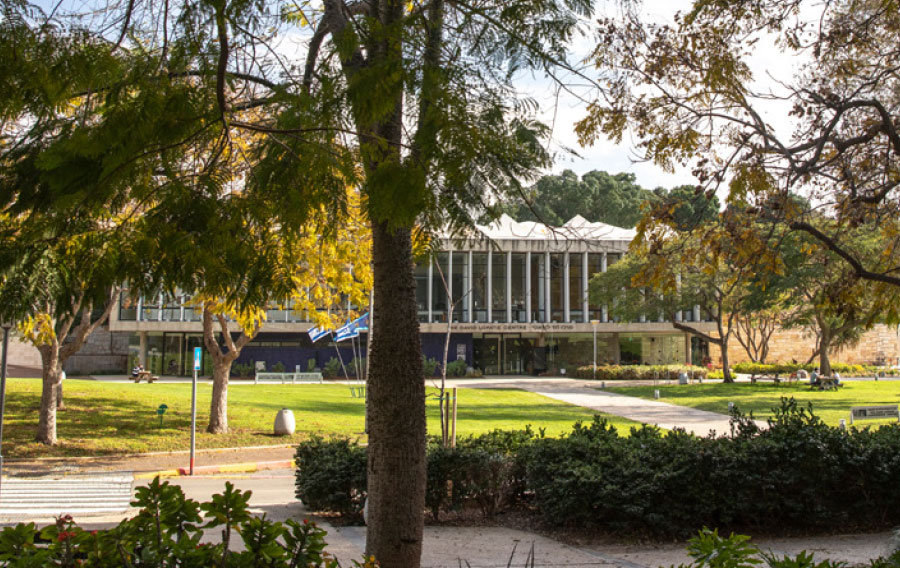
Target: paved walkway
[(589, 395)]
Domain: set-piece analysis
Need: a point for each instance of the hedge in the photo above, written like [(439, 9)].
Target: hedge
[(633, 372), (845, 369), (797, 475)]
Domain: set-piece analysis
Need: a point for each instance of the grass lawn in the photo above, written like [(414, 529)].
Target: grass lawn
[(113, 418), (761, 398)]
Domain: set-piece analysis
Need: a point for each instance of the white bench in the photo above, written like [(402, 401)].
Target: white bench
[(288, 378), (874, 412)]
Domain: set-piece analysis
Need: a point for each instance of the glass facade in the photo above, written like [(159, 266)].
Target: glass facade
[(557, 288), (439, 284), (498, 287), (461, 287), (518, 288), (420, 273), (576, 292), (479, 286), (538, 287), (595, 266)]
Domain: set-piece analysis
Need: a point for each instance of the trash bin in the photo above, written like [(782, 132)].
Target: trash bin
[(682, 378), (284, 422)]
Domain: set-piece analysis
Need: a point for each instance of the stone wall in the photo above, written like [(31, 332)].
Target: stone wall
[(878, 346), (103, 352)]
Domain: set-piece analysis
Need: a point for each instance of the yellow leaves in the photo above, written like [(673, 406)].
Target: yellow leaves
[(38, 329)]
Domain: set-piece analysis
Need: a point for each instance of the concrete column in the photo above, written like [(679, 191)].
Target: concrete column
[(509, 271), (181, 307), (688, 357), (696, 313), (528, 287), (467, 289), (430, 295), (142, 354), (567, 301), (585, 278), (489, 288), (547, 289), (604, 315), (140, 308)]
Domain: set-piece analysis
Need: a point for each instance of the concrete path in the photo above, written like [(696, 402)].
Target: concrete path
[(589, 395)]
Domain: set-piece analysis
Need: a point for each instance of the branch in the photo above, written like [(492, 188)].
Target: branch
[(833, 246), (697, 332), (86, 327)]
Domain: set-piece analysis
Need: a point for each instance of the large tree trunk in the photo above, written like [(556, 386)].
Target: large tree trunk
[(726, 371), (396, 407), (218, 409), (46, 432), (824, 348)]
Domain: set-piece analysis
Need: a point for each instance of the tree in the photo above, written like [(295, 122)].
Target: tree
[(676, 273), (321, 271), (690, 95), (61, 293), (413, 102)]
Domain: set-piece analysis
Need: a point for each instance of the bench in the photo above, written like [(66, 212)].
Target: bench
[(358, 392), (874, 412), (288, 378), (774, 378)]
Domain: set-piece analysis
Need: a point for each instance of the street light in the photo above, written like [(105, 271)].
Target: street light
[(6, 324), (594, 324)]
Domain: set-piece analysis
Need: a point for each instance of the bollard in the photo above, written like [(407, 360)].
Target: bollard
[(656, 393), (843, 424), (730, 407), (602, 384), (284, 423)]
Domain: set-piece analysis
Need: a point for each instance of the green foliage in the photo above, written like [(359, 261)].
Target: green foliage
[(278, 367), (429, 366), (642, 372), (331, 368), (331, 475), (310, 365), (845, 369), (456, 368), (167, 531), (242, 369), (615, 199)]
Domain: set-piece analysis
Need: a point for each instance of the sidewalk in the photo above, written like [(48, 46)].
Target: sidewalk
[(589, 395)]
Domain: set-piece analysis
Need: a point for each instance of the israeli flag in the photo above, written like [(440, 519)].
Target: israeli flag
[(348, 331), (316, 333)]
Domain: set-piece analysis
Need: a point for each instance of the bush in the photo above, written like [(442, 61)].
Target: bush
[(642, 372), (331, 475), (456, 368), (310, 365), (429, 366), (167, 531), (331, 368), (278, 367), (845, 369), (242, 369)]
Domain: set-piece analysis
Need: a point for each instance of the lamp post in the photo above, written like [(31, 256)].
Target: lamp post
[(594, 368), (6, 324)]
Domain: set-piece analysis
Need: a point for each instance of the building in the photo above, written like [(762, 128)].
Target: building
[(513, 297)]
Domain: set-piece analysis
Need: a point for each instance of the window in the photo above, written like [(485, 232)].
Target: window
[(576, 292), (498, 287)]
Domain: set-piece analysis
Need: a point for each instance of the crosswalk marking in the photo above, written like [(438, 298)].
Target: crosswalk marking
[(24, 497)]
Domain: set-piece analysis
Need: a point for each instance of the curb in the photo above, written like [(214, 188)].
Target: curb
[(145, 454), (249, 467)]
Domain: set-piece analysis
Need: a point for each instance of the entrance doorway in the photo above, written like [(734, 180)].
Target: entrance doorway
[(498, 354)]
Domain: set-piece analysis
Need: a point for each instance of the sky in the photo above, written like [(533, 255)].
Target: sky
[(769, 65)]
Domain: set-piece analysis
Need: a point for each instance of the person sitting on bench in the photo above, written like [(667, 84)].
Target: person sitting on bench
[(136, 370), (814, 378)]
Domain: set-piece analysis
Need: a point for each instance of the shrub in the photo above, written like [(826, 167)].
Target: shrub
[(456, 368), (278, 367), (643, 372), (167, 531), (331, 368), (310, 365), (845, 369), (242, 369), (429, 366), (331, 475)]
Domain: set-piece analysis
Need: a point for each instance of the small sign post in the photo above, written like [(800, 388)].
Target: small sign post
[(198, 358)]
